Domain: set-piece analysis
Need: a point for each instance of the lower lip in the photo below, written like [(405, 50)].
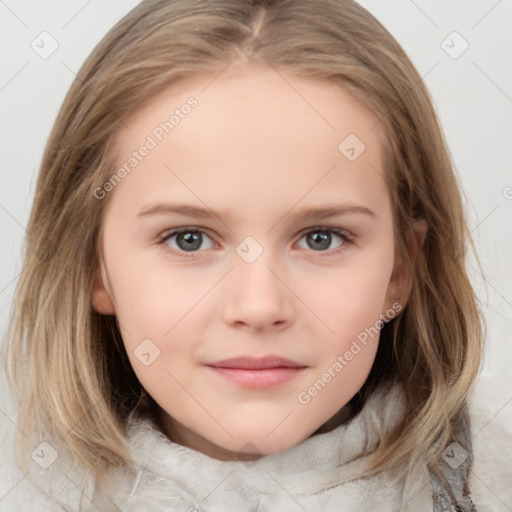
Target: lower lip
[(260, 379)]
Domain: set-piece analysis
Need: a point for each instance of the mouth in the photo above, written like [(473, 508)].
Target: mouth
[(251, 372)]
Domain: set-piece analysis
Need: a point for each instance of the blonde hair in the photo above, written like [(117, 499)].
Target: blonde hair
[(66, 363)]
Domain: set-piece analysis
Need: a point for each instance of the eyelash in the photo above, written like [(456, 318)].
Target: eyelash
[(345, 235)]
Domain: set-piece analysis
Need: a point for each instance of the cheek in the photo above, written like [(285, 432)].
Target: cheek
[(151, 298), (161, 313), (353, 298), (352, 310), (351, 306)]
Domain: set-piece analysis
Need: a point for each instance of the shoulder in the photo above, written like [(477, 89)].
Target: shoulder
[(490, 409), (17, 492), (55, 484), (21, 495)]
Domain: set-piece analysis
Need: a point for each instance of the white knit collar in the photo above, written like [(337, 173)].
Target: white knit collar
[(322, 460)]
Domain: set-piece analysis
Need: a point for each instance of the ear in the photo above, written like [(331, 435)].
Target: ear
[(400, 283), (420, 233), (101, 296)]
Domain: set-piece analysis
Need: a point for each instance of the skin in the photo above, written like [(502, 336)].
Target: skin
[(256, 151)]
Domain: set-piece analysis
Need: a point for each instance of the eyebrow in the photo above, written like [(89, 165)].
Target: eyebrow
[(187, 210)]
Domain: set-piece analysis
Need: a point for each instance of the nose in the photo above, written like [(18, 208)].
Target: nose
[(257, 296)]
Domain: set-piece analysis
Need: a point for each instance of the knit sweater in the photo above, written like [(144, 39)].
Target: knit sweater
[(324, 473)]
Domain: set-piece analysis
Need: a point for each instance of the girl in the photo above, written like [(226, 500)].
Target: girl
[(244, 285)]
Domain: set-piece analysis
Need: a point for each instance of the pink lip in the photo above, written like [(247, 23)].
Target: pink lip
[(254, 372)]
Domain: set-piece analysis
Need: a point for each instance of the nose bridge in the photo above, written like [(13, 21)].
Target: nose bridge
[(256, 295), (256, 266)]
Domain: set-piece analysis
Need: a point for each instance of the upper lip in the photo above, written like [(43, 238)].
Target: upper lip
[(256, 363)]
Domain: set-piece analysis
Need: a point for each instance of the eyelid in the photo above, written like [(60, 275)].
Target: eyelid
[(340, 231), (185, 229), (344, 233), (167, 233), (348, 237)]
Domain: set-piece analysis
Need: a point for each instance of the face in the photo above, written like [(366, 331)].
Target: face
[(283, 263)]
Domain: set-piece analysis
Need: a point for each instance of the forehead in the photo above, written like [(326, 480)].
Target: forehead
[(261, 99), (255, 130)]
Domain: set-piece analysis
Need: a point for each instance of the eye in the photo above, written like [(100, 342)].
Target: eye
[(186, 240), (320, 239)]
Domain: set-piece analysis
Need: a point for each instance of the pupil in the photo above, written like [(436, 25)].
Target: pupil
[(321, 239), (192, 241)]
